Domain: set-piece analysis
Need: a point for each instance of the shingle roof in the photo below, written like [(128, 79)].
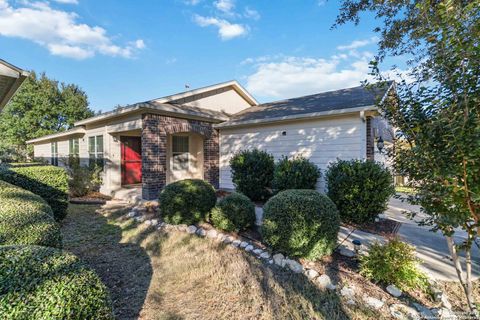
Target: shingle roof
[(325, 102)]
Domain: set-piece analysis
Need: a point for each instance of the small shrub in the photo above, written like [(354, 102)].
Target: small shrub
[(187, 201), (47, 283), (301, 223), (49, 182), (360, 189), (235, 212), (252, 173), (296, 173), (393, 263), (25, 218), (83, 179)]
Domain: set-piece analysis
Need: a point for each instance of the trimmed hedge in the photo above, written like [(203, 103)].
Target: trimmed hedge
[(252, 173), (187, 201), (49, 182), (360, 189), (25, 218), (235, 212), (301, 223), (46, 283), (296, 173)]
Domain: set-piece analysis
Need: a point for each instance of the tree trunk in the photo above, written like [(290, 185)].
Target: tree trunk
[(466, 283)]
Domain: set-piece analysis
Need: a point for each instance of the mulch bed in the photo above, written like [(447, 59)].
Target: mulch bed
[(385, 227), (91, 198)]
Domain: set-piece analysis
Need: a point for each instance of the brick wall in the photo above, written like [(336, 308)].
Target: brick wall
[(370, 139), (154, 150)]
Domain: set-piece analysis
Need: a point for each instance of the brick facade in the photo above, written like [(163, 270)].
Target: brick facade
[(154, 150), (370, 140)]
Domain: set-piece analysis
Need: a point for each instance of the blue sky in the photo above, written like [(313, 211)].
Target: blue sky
[(127, 51)]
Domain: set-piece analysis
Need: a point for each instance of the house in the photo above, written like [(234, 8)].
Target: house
[(11, 78), (195, 133)]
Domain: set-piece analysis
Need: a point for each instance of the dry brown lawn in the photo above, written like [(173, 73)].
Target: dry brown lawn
[(159, 275)]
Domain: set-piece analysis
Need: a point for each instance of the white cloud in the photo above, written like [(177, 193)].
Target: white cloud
[(226, 30), (226, 6), (287, 76), (67, 1), (358, 44), (251, 13), (60, 32), (192, 2)]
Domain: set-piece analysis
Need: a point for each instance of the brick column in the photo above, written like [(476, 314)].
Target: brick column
[(154, 161), (370, 140), (211, 154)]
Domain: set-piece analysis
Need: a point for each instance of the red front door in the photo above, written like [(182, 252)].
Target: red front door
[(131, 160)]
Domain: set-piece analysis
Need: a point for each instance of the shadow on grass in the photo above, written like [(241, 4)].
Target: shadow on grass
[(97, 236), (307, 300)]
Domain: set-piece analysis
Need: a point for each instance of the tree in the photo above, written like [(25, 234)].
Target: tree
[(41, 106), (437, 113)]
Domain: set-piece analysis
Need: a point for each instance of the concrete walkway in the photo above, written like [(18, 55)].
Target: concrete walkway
[(431, 246)]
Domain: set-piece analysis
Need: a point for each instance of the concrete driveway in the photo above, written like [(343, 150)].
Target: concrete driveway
[(431, 246)]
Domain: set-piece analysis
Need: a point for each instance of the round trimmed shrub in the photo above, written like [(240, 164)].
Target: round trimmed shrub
[(296, 173), (47, 283), (187, 201), (252, 173), (49, 182), (235, 212), (360, 189), (301, 223), (26, 218)]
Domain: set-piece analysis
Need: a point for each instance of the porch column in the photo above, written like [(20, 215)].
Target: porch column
[(154, 161), (211, 160)]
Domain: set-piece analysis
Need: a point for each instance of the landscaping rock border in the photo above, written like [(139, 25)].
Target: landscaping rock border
[(323, 281)]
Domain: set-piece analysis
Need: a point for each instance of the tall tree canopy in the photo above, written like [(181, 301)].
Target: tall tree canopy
[(41, 106), (437, 113)]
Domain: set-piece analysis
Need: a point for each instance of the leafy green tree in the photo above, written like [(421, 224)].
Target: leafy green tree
[(41, 106), (437, 113)]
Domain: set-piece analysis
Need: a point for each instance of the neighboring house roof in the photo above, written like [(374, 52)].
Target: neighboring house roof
[(11, 78), (170, 106), (70, 132), (336, 102)]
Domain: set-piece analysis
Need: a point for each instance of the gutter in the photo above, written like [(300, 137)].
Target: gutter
[(77, 130), (306, 116), (139, 108), (10, 71)]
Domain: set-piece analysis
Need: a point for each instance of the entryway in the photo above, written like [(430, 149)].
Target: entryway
[(131, 155)]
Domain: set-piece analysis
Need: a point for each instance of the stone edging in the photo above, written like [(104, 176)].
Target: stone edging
[(397, 310)]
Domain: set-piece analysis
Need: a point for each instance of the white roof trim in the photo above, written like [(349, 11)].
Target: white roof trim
[(167, 109), (233, 83), (10, 71), (305, 116), (76, 130), (163, 106)]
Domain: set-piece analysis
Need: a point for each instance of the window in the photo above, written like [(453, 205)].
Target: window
[(95, 150), (74, 147), (54, 158), (180, 152)]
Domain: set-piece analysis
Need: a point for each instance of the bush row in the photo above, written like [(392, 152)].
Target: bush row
[(255, 174), (49, 182), (25, 218), (46, 283), (360, 189), (300, 223), (192, 201), (39, 281)]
